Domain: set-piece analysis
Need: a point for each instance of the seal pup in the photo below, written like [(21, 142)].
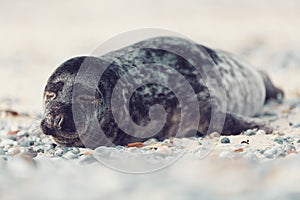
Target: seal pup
[(244, 89)]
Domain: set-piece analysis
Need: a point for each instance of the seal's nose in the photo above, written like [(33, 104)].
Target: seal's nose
[(54, 122)]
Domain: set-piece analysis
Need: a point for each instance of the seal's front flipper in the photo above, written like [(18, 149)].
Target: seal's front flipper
[(234, 124)]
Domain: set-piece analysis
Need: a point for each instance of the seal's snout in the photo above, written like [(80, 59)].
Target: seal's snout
[(52, 122)]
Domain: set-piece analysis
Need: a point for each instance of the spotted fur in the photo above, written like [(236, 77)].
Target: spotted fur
[(245, 92)]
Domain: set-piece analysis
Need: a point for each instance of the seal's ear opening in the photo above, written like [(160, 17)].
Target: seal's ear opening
[(272, 92)]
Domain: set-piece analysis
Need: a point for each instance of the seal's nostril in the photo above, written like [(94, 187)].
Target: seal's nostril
[(49, 121), (53, 122), (58, 121)]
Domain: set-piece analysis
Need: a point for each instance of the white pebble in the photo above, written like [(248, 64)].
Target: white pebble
[(38, 142), (271, 153), (134, 150), (69, 155), (24, 142), (289, 147), (150, 141), (250, 132), (261, 132), (2, 152), (75, 150), (6, 142), (66, 149), (59, 152), (296, 125), (13, 151), (164, 149), (22, 133)]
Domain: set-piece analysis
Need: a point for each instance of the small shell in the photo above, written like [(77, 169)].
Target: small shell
[(12, 132), (238, 150), (135, 144)]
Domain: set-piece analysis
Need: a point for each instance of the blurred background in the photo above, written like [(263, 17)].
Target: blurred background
[(37, 36)]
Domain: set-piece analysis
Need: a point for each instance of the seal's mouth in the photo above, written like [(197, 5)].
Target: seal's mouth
[(64, 133), (72, 140), (63, 138)]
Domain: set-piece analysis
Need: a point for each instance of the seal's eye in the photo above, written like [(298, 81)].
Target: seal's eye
[(49, 96)]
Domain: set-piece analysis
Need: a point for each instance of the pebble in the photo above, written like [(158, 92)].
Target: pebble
[(2, 152), (250, 132), (6, 147), (75, 150), (59, 152), (24, 142), (289, 147), (42, 158), (46, 140), (37, 142), (12, 137), (279, 133), (261, 132), (12, 132), (150, 141), (287, 140), (30, 153), (120, 148), (2, 158), (164, 150), (296, 125), (38, 149), (13, 151), (22, 134), (281, 153), (270, 153), (225, 140), (35, 138), (66, 149), (134, 150), (7, 142), (69, 155), (278, 140), (48, 147), (239, 150), (136, 144), (261, 151), (250, 155)]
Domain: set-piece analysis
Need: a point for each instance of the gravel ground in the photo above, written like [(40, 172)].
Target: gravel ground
[(251, 165)]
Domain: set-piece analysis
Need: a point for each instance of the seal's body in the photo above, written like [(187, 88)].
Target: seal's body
[(79, 94)]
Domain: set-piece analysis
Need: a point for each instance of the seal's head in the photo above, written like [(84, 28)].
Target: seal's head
[(59, 98)]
